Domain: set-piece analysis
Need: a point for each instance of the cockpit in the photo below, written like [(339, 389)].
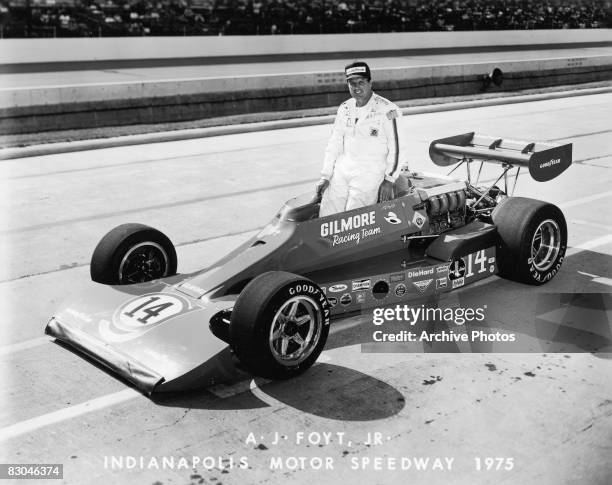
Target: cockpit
[(306, 207)]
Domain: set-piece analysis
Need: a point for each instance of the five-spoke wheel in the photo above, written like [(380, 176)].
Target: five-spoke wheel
[(295, 328), (279, 324)]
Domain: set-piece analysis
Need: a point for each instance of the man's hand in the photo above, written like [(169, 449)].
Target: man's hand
[(321, 187), (385, 192)]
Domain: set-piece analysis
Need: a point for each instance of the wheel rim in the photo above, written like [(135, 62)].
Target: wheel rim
[(144, 262), (295, 330), (545, 245)]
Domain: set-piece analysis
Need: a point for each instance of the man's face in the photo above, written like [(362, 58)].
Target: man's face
[(360, 89)]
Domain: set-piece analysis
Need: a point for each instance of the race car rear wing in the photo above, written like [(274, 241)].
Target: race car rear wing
[(544, 160)]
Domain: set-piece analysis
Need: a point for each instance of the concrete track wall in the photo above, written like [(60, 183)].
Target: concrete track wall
[(38, 109), (47, 51), (88, 106)]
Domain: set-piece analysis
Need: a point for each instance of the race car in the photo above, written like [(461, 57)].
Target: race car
[(266, 307)]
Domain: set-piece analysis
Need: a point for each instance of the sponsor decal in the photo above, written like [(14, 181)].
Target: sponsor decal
[(491, 260), (373, 131), (458, 282), (346, 224), (492, 269), (316, 293), (333, 301), (442, 269), (337, 288), (388, 206), (423, 284), (355, 70), (346, 299), (350, 229), (476, 263), (544, 166), (400, 290), (550, 163), (456, 270), (441, 283), (415, 273), (360, 285), (303, 288), (380, 290), (418, 220), (392, 218), (360, 297), (546, 275), (395, 277)]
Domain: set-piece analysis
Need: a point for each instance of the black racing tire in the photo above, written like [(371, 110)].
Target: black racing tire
[(533, 239), (132, 253), (270, 314)]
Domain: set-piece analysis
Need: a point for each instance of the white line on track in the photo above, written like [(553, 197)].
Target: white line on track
[(102, 402), (586, 246), (602, 280), (38, 422), (584, 200), (28, 344), (590, 224)]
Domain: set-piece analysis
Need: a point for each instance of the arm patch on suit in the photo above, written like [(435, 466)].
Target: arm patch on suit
[(391, 115)]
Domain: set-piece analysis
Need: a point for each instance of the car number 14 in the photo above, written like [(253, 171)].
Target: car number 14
[(478, 261), (150, 309)]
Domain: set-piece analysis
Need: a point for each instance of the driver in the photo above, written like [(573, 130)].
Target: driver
[(363, 157)]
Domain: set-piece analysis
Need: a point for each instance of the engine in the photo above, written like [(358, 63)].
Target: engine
[(446, 211)]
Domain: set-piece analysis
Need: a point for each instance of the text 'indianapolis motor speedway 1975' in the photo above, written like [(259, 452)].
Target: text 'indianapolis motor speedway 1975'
[(266, 306)]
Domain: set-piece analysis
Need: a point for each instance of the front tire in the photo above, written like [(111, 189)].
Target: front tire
[(279, 325), (132, 253), (533, 239)]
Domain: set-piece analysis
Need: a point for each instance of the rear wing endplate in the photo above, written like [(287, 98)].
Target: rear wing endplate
[(545, 160)]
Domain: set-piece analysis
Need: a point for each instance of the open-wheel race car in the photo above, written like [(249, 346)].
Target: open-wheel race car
[(266, 306)]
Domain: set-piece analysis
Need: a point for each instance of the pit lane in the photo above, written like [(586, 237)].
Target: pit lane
[(552, 413)]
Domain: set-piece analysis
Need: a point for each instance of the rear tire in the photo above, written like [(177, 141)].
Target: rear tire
[(279, 325), (533, 239), (132, 253)]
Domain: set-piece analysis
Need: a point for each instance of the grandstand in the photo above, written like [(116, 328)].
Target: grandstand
[(120, 18)]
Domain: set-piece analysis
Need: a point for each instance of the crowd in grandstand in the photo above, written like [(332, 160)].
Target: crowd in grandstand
[(87, 18)]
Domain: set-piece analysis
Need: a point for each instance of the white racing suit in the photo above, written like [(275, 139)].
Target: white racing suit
[(360, 154)]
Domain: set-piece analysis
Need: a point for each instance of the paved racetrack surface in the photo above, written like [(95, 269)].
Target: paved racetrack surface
[(549, 414)]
